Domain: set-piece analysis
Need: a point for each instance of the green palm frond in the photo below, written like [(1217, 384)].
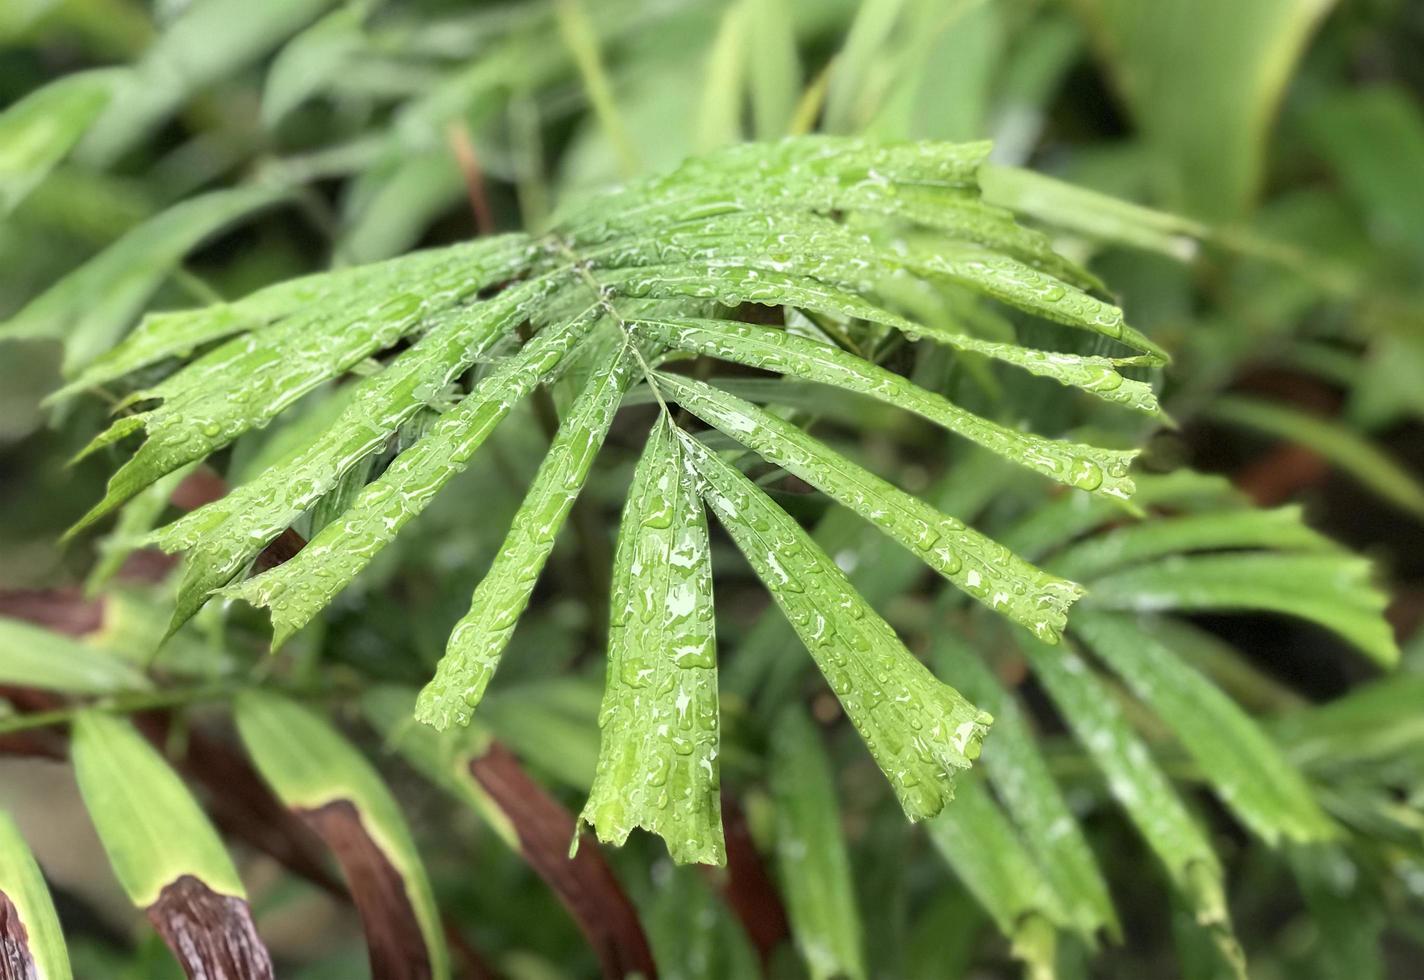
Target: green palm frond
[(618, 294), (1135, 690)]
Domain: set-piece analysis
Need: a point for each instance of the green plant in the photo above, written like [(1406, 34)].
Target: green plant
[(813, 227), (868, 354)]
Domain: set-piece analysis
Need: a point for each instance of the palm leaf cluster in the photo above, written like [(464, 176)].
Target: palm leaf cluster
[(448, 341)]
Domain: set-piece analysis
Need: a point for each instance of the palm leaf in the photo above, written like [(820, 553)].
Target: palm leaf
[(832, 229)]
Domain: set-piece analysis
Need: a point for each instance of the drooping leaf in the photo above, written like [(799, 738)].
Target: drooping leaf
[(1031, 797), (487, 776), (986, 853), (307, 62), (31, 656), (92, 306), (1372, 722), (1348, 917), (811, 852), (1092, 213), (1333, 590), (164, 851), (338, 792), (1058, 521), (719, 117), (944, 937), (38, 131), (774, 68), (693, 934), (580, 36), (1137, 783), (31, 944), (1202, 79), (211, 40), (302, 334), (1341, 445), (1238, 758), (1281, 529), (850, 95), (919, 730), (1373, 138), (548, 724), (658, 765)]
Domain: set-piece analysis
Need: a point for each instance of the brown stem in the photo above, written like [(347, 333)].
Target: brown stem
[(584, 883), (211, 935), (747, 888), (457, 135)]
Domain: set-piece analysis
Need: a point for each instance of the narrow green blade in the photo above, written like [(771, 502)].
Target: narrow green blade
[(657, 765), (981, 845), (1247, 770), (479, 638), (25, 902), (31, 656), (811, 852), (40, 129)]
